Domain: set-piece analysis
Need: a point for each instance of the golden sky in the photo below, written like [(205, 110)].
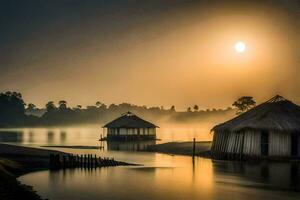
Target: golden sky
[(151, 53)]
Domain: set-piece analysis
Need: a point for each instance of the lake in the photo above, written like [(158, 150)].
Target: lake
[(161, 176)]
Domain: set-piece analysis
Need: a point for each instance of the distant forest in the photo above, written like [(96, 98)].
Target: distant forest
[(14, 112)]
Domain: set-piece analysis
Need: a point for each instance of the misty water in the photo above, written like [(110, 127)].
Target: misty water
[(161, 176)]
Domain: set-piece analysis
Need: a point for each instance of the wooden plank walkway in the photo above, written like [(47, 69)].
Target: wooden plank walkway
[(59, 161)]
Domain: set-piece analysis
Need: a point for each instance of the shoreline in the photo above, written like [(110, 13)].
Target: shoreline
[(202, 148), (16, 161)]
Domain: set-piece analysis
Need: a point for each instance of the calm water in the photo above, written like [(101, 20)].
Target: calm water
[(161, 176), (89, 135)]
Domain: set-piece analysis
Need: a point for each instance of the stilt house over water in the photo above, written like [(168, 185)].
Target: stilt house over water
[(270, 129), (130, 127)]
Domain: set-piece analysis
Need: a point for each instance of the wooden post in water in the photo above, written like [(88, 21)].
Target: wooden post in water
[(104, 161), (57, 158), (77, 160), (51, 161), (194, 147), (64, 161), (90, 162), (100, 161), (80, 161), (71, 161), (74, 160), (96, 161)]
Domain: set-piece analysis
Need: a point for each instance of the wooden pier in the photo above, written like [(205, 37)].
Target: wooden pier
[(63, 161)]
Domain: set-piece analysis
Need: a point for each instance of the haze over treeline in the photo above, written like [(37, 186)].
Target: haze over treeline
[(15, 112), (149, 52)]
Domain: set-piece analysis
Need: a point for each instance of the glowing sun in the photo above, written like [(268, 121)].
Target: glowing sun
[(240, 47)]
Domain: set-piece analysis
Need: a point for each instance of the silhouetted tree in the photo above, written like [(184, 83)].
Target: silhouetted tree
[(196, 108), (189, 109), (34, 111), (98, 104), (103, 106), (244, 104), (113, 107), (172, 108), (31, 107), (62, 105), (91, 108), (124, 107), (77, 108), (12, 107), (228, 108), (50, 107)]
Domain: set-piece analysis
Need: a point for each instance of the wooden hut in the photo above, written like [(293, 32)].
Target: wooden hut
[(270, 129), (130, 127)]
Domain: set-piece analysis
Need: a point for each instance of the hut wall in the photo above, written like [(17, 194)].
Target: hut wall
[(249, 143), (146, 132), (141, 131), (111, 131), (252, 143), (240, 143), (123, 131), (220, 143), (214, 144), (151, 131), (130, 131), (231, 143), (298, 144), (279, 144)]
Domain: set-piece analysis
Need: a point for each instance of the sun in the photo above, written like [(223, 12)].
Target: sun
[(240, 47)]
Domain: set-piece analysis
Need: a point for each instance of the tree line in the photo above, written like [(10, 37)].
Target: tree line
[(15, 112)]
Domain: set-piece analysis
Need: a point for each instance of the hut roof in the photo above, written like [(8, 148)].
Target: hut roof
[(277, 114), (129, 120)]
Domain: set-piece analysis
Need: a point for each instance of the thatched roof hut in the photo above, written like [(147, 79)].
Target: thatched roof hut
[(269, 129), (130, 127), (129, 120)]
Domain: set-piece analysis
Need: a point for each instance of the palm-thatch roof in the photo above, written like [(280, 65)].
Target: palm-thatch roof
[(129, 120), (277, 114)]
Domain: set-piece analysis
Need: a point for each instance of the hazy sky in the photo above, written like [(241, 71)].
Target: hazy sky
[(149, 52)]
